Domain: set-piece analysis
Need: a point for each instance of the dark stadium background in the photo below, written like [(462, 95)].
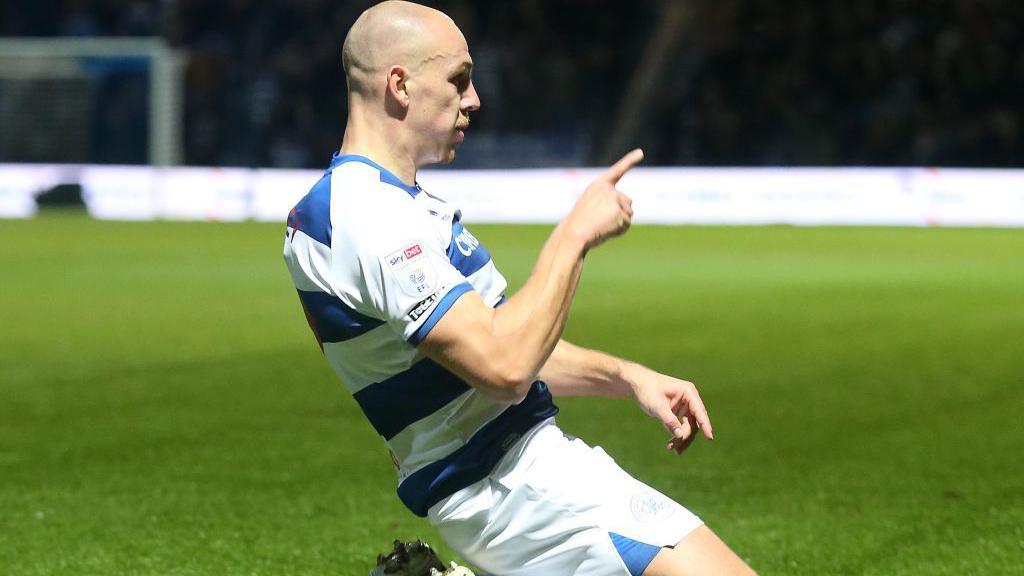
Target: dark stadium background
[(742, 82)]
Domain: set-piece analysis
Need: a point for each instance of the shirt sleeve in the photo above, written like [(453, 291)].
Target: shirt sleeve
[(412, 280)]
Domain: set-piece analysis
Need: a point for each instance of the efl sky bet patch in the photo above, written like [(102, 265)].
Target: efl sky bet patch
[(413, 270)]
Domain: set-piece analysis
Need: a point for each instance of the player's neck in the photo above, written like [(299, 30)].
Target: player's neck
[(374, 144)]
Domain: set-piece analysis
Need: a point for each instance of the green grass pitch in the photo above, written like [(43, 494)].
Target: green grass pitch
[(165, 411)]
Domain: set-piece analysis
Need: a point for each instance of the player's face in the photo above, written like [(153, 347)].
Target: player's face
[(441, 99)]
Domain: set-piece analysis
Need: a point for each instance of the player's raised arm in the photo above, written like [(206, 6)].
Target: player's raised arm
[(604, 188), (500, 351)]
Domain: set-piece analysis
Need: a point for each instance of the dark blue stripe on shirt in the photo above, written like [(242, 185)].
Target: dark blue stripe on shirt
[(478, 256), (477, 458), (335, 322), (635, 555), (410, 396), (439, 310), (312, 214)]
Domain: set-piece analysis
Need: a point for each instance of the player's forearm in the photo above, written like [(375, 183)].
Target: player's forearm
[(528, 328), (575, 371), (519, 307)]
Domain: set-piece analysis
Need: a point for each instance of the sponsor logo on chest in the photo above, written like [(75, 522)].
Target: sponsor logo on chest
[(466, 242)]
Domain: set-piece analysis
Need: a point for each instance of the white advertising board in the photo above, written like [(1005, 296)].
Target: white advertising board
[(120, 192), (274, 192), (972, 197), (726, 196), (20, 184), (220, 194)]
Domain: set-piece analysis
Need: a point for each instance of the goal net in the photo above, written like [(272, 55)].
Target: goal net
[(91, 100)]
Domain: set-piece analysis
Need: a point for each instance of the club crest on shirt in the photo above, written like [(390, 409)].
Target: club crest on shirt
[(650, 506), (413, 271)]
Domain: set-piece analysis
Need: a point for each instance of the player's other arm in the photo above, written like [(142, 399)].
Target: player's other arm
[(500, 351), (575, 371)]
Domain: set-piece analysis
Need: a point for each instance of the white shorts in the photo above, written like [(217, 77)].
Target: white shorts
[(554, 506)]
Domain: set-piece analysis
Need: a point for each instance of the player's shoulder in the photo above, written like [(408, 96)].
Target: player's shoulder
[(360, 186), (354, 176), (372, 209)]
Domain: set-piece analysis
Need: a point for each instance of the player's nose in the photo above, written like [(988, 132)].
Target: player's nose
[(471, 100)]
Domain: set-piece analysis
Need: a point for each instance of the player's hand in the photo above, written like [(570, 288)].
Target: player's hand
[(674, 402), (603, 212)]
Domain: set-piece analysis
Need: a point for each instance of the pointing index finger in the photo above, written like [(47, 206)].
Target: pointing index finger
[(700, 414), (617, 170)]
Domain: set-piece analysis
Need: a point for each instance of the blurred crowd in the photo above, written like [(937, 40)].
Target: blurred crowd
[(872, 82), (748, 82)]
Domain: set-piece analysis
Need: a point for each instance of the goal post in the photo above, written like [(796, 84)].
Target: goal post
[(47, 83)]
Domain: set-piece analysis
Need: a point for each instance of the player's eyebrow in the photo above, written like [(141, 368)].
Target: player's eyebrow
[(464, 67)]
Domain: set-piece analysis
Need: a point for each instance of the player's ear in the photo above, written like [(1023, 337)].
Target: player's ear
[(397, 88)]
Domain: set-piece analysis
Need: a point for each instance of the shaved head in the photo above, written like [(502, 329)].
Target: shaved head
[(410, 87), (395, 33)]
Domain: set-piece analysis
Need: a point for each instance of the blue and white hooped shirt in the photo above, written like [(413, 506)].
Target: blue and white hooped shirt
[(377, 263)]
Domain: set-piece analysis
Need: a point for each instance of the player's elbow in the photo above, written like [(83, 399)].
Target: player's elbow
[(509, 384)]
